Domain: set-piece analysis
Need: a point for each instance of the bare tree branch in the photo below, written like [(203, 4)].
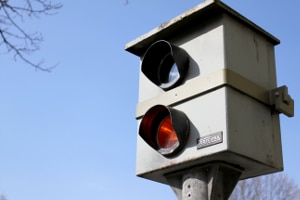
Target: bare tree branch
[(15, 39), (270, 187)]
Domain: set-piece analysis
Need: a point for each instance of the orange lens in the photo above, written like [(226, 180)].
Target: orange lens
[(166, 135)]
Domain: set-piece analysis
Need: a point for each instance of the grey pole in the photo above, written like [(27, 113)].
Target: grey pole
[(214, 181), (195, 186)]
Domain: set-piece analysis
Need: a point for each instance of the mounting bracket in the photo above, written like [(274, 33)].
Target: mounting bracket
[(282, 101)]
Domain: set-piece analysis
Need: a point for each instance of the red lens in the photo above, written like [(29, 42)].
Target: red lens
[(166, 135)]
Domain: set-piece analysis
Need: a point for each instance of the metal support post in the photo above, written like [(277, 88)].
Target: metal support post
[(214, 181), (195, 186)]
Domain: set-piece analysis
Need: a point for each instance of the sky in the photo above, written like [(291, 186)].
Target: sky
[(71, 133)]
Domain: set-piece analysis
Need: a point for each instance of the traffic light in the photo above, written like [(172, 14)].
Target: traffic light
[(165, 130), (165, 64), (208, 93)]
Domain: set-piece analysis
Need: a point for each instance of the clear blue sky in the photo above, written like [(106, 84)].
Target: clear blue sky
[(71, 134)]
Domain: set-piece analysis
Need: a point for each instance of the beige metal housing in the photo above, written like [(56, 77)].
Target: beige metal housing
[(227, 90)]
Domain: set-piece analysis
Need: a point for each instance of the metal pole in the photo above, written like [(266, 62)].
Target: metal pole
[(195, 186), (214, 181)]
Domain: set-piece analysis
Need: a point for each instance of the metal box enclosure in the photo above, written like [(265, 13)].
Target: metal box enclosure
[(226, 92)]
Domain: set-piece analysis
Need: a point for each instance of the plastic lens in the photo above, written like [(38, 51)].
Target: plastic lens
[(168, 73), (166, 135)]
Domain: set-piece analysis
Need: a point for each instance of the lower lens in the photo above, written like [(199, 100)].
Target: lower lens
[(166, 135)]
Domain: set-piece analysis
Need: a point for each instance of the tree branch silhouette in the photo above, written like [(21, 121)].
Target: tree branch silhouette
[(13, 36)]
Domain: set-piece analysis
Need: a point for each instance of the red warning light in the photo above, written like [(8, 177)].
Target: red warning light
[(165, 129), (166, 135)]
